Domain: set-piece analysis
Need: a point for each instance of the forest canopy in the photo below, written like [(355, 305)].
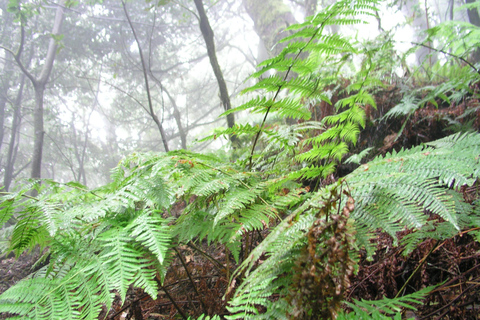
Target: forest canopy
[(160, 168)]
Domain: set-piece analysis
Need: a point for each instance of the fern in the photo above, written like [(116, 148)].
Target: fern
[(385, 308)]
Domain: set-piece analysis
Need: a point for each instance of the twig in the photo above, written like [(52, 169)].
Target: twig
[(206, 255), (416, 269), (184, 316), (448, 54), (191, 280)]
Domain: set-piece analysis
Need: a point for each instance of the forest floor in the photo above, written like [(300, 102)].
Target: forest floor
[(453, 265)]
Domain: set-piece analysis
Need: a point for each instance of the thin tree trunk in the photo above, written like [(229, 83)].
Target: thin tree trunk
[(39, 84), (9, 168), (4, 98), (208, 36), (270, 18), (474, 19), (7, 66), (176, 112), (178, 120), (145, 75)]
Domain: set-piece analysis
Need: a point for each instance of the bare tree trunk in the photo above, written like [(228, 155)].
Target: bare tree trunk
[(13, 144), (176, 112), (178, 120), (39, 84), (145, 75), (208, 36), (420, 23), (7, 66), (270, 18), (4, 99), (474, 19)]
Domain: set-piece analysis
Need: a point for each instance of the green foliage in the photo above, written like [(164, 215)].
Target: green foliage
[(450, 80), (385, 308), (103, 241)]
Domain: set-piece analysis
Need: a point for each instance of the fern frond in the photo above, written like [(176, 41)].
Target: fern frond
[(385, 308), (123, 259), (151, 231), (401, 186)]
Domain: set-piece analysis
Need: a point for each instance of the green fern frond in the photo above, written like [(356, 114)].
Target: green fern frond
[(329, 150), (28, 232), (124, 260), (402, 186), (386, 308), (151, 231)]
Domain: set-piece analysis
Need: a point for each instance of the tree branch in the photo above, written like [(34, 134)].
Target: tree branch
[(448, 54)]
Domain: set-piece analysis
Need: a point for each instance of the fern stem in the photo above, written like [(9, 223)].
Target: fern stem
[(416, 269), (206, 255), (23, 195), (184, 316), (191, 280), (448, 54), (300, 51)]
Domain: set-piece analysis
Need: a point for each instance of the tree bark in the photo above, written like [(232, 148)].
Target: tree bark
[(208, 36)]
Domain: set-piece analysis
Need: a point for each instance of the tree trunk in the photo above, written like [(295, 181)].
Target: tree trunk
[(420, 23), (9, 168), (7, 73), (39, 132), (39, 85), (474, 19), (207, 34), (270, 18), (178, 120), (147, 87), (3, 101)]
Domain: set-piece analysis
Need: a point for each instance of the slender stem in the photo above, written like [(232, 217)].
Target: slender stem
[(145, 75), (191, 279), (250, 164), (448, 54), (416, 269), (184, 316)]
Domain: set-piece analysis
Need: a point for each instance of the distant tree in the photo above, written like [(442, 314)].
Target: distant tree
[(474, 19), (150, 109), (208, 36), (270, 18), (38, 81)]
